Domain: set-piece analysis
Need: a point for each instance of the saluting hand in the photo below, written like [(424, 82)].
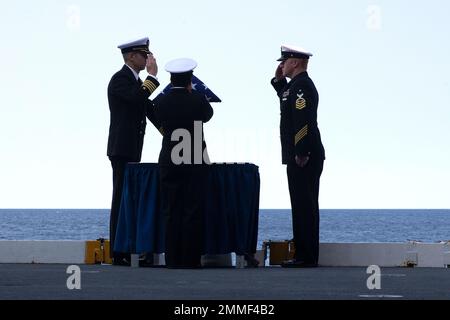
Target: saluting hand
[(152, 67), (279, 72)]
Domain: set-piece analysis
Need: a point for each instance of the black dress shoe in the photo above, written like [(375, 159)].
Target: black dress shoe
[(146, 263), (121, 259), (251, 261), (121, 262), (298, 264), (193, 266)]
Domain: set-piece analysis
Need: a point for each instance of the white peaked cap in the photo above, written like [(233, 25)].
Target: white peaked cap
[(288, 51), (181, 65), (135, 45)]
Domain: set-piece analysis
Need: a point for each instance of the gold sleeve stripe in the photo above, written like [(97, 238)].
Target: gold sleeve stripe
[(161, 130), (302, 131), (146, 86), (150, 82), (149, 85), (301, 134), (300, 138)]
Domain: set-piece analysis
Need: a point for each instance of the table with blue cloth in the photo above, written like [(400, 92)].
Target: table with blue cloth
[(231, 210)]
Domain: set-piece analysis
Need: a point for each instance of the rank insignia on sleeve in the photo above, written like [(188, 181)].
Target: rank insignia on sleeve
[(300, 103), (150, 86), (301, 134)]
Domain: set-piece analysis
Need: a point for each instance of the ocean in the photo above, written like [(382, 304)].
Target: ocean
[(345, 226)]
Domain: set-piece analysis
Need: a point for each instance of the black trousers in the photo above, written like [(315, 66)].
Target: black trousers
[(118, 166), (182, 203), (304, 193)]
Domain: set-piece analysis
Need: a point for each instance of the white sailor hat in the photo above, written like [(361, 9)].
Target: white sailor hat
[(293, 52), (181, 65), (140, 45)]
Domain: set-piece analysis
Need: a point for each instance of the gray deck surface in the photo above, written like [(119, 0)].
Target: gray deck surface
[(33, 281)]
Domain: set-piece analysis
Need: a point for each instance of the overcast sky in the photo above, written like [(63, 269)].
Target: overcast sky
[(381, 67)]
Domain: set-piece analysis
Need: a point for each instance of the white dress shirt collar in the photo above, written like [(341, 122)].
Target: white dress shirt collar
[(136, 75)]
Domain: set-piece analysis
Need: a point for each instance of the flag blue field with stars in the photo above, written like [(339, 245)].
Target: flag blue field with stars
[(198, 86)]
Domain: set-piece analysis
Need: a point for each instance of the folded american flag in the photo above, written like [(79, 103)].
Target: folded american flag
[(198, 86)]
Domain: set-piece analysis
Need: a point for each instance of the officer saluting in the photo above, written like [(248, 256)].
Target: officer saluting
[(302, 151), (182, 113), (129, 106)]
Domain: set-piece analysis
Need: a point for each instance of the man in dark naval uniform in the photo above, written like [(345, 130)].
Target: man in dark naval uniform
[(302, 151), (182, 161), (129, 105)]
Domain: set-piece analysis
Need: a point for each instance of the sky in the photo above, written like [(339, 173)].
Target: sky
[(381, 69)]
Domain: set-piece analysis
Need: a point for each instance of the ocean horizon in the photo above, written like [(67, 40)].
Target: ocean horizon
[(340, 225)]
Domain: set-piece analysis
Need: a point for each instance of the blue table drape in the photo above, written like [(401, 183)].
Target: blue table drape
[(231, 210)]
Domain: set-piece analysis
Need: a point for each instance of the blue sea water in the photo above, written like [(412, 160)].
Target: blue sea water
[(335, 225)]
